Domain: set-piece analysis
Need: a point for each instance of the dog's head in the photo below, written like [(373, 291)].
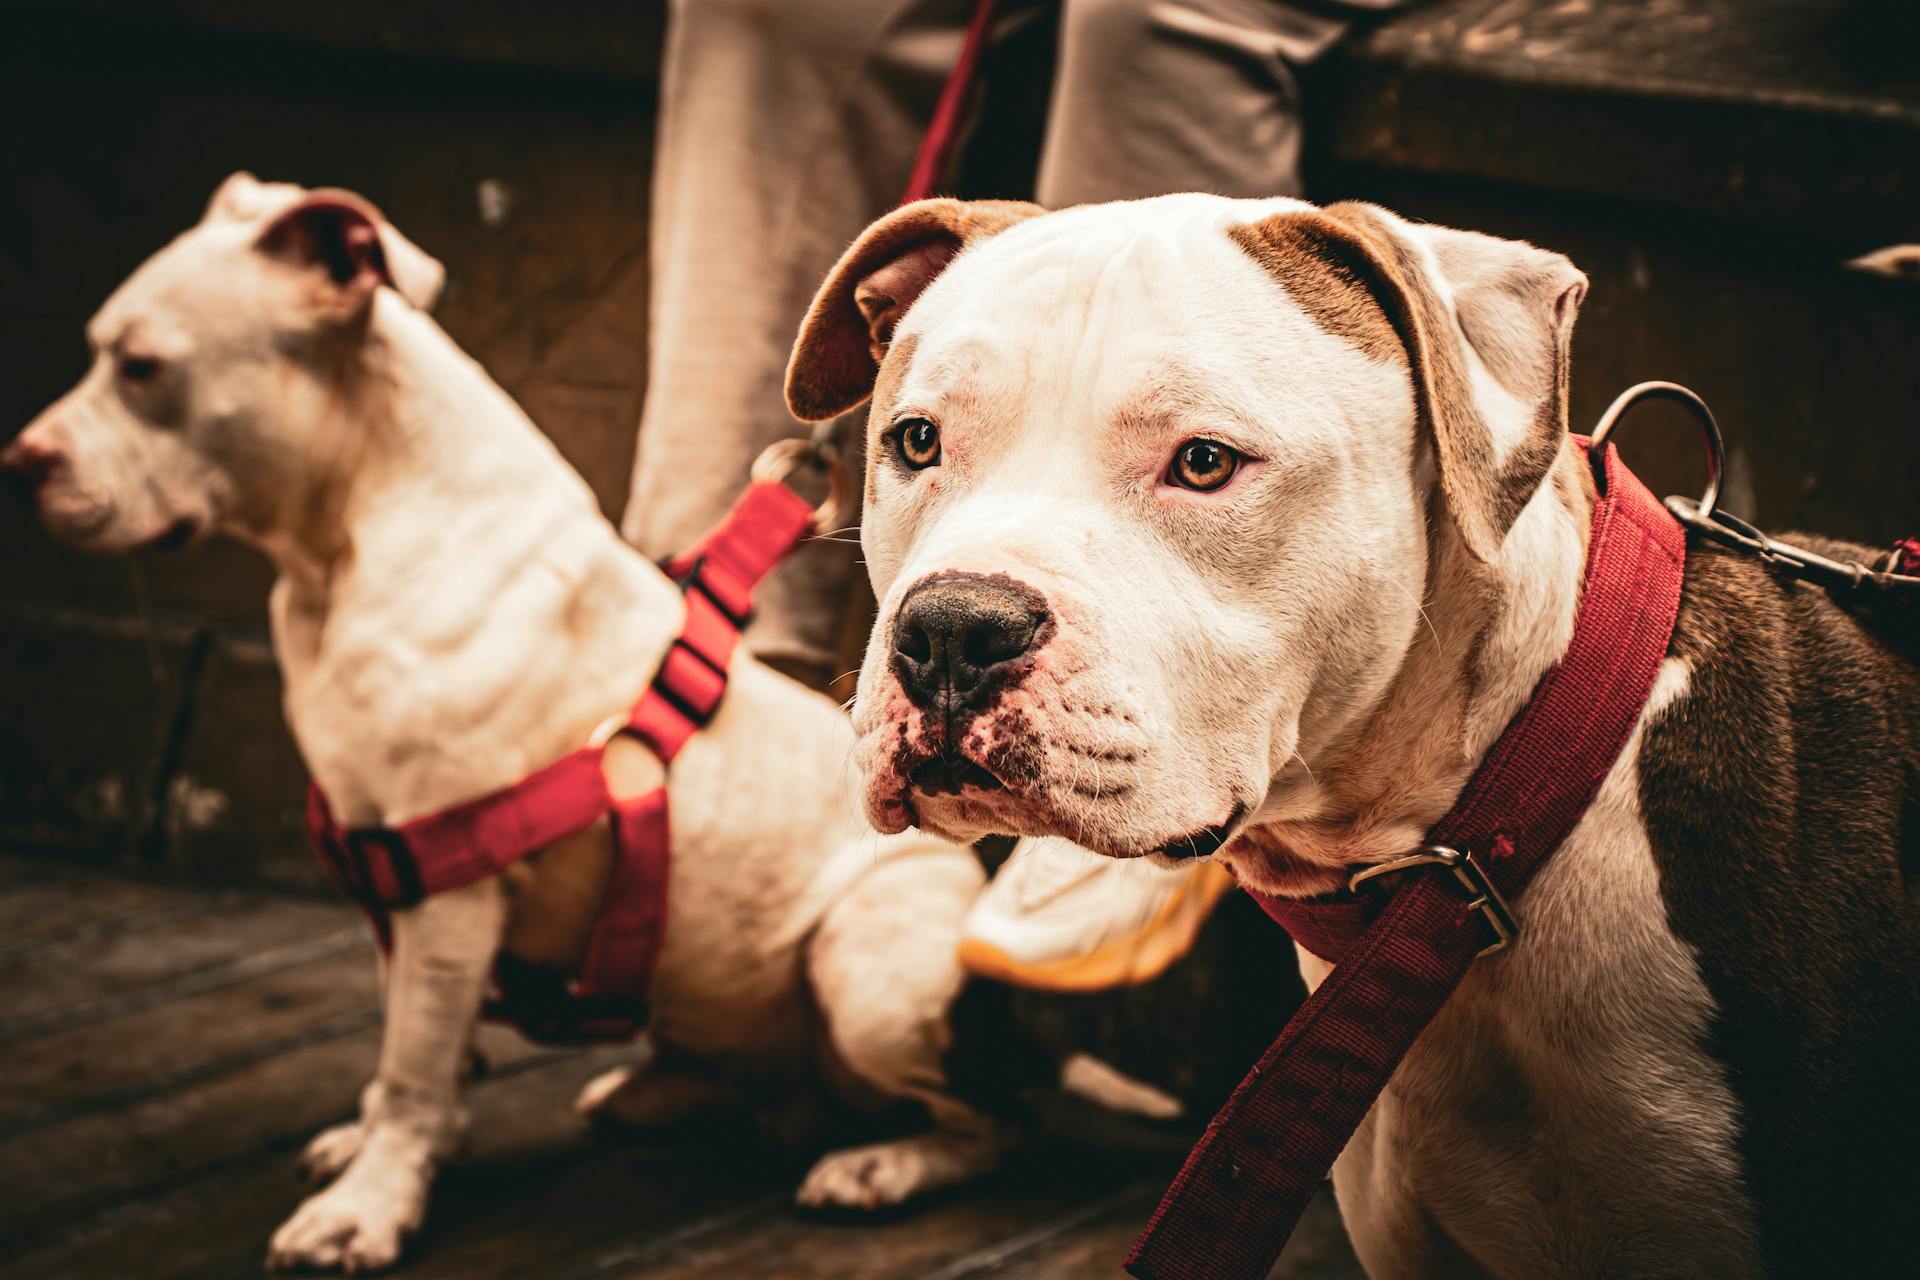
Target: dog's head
[(216, 369), (1152, 491)]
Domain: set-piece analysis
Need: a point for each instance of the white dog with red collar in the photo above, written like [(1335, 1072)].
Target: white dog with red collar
[(453, 613), (1242, 528)]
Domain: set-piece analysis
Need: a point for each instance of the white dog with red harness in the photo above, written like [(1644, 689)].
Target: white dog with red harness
[(1253, 530), (477, 670)]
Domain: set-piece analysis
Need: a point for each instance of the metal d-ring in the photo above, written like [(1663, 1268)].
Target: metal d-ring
[(1705, 520), (781, 458), (1640, 393)]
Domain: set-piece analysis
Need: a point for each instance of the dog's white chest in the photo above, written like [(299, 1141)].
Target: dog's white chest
[(1560, 1115)]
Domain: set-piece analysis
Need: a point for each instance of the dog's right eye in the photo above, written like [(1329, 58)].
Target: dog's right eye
[(138, 370), (1202, 466), (917, 441)]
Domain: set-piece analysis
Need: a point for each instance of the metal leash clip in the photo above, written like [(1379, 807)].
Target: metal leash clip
[(783, 457), (1898, 573)]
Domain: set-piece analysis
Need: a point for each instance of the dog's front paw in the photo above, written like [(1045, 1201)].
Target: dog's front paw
[(330, 1151), (356, 1225), (889, 1173)]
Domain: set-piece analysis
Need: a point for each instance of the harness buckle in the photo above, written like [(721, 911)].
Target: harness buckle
[(1483, 896), (406, 872), (694, 578), (663, 683)]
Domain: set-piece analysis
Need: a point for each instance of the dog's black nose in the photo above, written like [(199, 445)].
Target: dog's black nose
[(958, 635)]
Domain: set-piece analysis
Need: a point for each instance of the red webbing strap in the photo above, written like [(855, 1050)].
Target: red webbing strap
[(627, 933), (482, 837), (718, 578), (469, 842), (1906, 556), (383, 868), (1233, 1205), (766, 522), (943, 133), (328, 839)]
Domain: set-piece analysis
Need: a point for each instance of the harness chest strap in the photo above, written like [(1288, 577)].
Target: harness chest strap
[(1232, 1206), (384, 868)]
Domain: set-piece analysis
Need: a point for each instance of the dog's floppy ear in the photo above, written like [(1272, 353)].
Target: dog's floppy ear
[(1486, 325), (845, 335), (344, 236)]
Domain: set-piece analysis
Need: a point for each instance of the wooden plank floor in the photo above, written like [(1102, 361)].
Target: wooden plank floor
[(165, 1052)]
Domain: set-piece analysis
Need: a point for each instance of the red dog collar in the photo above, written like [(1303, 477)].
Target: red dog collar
[(383, 868), (1397, 958)]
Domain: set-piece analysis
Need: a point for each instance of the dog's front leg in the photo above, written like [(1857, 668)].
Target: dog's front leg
[(885, 969), (411, 1117)]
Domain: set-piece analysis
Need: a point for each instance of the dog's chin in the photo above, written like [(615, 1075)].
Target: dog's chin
[(1114, 833), (81, 521), (961, 800), (97, 529), (175, 535)]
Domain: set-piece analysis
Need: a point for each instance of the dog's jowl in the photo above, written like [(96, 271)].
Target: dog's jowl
[(1243, 528)]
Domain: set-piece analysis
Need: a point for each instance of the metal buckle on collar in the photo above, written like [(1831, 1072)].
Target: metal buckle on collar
[(406, 872), (1484, 897)]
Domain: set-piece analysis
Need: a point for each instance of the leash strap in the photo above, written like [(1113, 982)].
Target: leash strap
[(1233, 1205), (388, 868), (943, 132)]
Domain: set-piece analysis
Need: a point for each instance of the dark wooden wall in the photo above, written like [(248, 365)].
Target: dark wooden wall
[(141, 710)]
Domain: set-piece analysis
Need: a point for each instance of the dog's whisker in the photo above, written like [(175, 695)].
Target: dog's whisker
[(1418, 604)]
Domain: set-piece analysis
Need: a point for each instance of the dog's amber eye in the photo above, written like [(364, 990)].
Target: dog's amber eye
[(138, 370), (918, 443), (1202, 465)]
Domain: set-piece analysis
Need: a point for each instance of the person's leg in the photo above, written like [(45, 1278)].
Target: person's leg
[(785, 126), (1156, 96)]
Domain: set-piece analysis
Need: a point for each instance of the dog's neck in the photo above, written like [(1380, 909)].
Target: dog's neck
[(416, 445), (450, 596), (1490, 632)]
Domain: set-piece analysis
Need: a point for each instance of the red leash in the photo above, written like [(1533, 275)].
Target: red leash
[(384, 868), (1397, 959), (943, 132)]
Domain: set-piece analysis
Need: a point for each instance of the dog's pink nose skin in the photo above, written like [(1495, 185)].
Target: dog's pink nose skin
[(29, 462), (960, 638)]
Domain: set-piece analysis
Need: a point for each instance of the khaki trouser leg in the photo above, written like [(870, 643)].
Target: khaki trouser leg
[(1156, 96), (785, 127)]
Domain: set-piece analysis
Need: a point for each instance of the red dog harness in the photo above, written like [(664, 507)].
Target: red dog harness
[(1398, 956), (385, 868)]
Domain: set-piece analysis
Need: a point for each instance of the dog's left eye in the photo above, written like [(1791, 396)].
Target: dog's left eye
[(1202, 465), (917, 441)]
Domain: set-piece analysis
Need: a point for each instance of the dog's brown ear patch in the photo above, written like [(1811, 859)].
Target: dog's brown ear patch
[(1361, 274), (339, 232), (847, 330), (1324, 271)]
